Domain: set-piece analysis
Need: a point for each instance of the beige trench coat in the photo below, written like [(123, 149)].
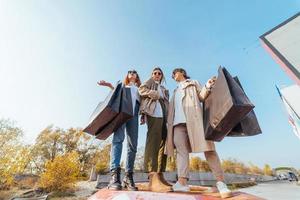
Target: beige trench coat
[(192, 107)]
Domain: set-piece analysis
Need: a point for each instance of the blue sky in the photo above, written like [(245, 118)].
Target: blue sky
[(52, 53)]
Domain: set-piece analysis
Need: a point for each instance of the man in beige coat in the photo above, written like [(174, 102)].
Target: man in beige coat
[(186, 132)]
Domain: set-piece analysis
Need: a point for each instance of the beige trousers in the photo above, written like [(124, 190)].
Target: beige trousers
[(182, 146)]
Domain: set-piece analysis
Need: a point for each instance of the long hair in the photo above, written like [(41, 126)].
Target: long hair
[(162, 74), (137, 81), (181, 70)]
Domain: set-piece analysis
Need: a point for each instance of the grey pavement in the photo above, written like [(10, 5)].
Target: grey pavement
[(277, 190)]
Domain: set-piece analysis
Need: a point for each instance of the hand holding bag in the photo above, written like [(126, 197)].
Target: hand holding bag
[(106, 111), (225, 107)]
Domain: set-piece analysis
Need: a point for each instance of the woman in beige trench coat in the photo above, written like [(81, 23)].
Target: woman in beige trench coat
[(186, 132)]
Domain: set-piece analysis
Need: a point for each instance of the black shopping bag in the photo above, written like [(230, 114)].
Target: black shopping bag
[(106, 111), (125, 114), (225, 107), (249, 126)]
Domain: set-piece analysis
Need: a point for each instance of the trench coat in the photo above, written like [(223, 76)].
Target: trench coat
[(192, 100)]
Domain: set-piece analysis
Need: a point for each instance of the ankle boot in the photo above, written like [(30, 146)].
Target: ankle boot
[(128, 182), (115, 181), (162, 179), (156, 185)]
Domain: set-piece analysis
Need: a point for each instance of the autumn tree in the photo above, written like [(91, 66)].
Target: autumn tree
[(61, 173), (171, 164), (255, 169), (14, 157), (47, 146), (234, 166), (203, 166), (195, 163), (101, 158), (268, 170), (83, 144), (52, 142), (139, 160)]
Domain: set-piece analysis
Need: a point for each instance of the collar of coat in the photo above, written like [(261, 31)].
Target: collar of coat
[(150, 83), (188, 82)]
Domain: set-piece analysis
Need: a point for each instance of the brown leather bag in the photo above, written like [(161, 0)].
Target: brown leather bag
[(225, 107), (249, 126)]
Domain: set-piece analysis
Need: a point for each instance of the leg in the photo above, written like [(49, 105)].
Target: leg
[(162, 157), (132, 138), (116, 152), (152, 151), (214, 164), (116, 148), (182, 151), (152, 143), (132, 142)]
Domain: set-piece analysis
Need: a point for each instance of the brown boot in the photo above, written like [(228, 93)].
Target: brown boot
[(156, 185), (163, 180)]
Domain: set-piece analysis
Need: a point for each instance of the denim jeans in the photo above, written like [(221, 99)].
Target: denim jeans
[(131, 127)]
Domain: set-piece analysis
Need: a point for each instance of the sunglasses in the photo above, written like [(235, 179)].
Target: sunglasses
[(157, 73), (174, 73), (132, 72)]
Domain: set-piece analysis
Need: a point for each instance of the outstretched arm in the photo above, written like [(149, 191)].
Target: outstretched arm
[(104, 83)]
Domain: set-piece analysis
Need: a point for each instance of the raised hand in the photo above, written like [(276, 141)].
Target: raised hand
[(104, 83), (210, 83)]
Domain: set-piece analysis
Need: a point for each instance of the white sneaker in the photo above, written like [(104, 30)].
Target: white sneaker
[(223, 190), (177, 187), (212, 190)]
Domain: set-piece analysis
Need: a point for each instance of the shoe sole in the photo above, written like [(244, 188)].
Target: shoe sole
[(160, 191), (124, 186), (226, 195), (115, 189), (180, 191)]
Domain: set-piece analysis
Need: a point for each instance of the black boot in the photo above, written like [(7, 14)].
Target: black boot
[(115, 180), (128, 182)]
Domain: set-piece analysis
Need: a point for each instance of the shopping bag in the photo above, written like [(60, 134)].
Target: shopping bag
[(249, 126), (125, 114), (106, 111), (225, 107)]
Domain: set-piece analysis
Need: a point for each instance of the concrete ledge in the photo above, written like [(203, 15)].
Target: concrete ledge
[(106, 194), (196, 178)]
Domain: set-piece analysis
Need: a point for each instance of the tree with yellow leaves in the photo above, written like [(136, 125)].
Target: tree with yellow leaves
[(195, 163), (52, 142), (268, 170), (61, 173), (14, 157), (234, 166), (102, 158), (171, 164), (255, 170), (139, 159)]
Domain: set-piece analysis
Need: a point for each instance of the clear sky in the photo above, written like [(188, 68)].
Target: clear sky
[(52, 53)]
